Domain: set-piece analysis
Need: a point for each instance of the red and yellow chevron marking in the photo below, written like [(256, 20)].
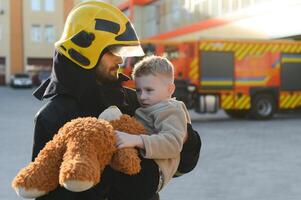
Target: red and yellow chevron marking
[(243, 102), (194, 69), (227, 101), (230, 101), (289, 101), (242, 49)]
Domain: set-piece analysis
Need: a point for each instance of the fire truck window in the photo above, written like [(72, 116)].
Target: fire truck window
[(149, 49), (171, 52), (217, 70), (290, 72), (134, 60)]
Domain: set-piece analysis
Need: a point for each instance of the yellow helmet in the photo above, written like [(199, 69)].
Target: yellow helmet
[(93, 26)]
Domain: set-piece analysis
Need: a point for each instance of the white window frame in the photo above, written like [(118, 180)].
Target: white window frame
[(1, 32), (1, 7), (49, 33), (49, 5), (36, 5), (36, 33)]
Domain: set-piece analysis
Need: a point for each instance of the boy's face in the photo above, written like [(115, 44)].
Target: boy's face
[(152, 89)]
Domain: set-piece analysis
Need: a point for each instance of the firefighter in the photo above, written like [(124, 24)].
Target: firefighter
[(85, 81)]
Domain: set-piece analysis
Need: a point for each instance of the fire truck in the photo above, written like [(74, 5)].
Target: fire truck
[(242, 77)]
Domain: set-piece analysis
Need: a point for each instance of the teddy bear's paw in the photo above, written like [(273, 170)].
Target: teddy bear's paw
[(29, 193), (127, 161), (111, 113), (77, 186)]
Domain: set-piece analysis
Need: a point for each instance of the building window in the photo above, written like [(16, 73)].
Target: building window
[(246, 3), (236, 5), (1, 7), (49, 33), (227, 6), (171, 52), (36, 5), (1, 32), (36, 33), (49, 5), (215, 8)]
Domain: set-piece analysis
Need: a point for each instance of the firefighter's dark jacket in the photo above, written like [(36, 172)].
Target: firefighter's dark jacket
[(73, 92)]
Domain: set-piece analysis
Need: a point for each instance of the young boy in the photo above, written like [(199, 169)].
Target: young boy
[(164, 118)]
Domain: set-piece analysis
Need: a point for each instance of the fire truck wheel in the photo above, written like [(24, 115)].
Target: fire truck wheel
[(263, 106), (237, 114)]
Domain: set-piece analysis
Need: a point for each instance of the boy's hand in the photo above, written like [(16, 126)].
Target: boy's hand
[(128, 140)]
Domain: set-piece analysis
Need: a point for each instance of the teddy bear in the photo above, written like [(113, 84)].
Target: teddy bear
[(77, 155)]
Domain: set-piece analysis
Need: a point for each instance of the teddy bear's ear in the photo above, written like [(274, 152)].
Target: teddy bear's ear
[(111, 113)]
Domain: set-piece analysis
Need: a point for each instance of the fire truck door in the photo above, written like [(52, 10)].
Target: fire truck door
[(217, 74), (216, 70)]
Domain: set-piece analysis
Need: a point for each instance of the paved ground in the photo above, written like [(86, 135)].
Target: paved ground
[(240, 160), (244, 160)]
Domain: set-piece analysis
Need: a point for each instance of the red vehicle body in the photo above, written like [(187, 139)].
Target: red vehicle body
[(245, 78)]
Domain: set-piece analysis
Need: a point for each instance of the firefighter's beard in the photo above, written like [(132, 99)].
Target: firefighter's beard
[(107, 77)]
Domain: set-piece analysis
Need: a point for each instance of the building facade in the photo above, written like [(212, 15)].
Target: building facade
[(4, 34), (42, 22), (29, 28), (224, 19)]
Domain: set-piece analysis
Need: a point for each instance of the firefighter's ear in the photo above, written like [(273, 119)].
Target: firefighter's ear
[(171, 88)]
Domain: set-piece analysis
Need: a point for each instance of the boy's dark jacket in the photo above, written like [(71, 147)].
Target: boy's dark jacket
[(75, 93)]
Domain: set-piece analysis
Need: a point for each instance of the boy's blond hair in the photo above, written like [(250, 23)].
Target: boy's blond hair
[(154, 65)]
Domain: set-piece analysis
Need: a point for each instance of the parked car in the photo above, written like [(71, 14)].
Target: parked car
[(21, 81)]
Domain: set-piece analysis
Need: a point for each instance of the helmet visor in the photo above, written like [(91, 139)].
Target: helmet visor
[(127, 51)]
